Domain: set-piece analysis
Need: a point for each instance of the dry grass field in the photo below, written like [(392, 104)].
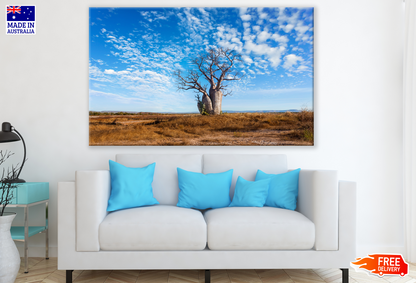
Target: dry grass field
[(244, 129)]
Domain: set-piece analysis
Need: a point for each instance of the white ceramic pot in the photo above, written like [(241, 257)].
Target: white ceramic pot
[(9, 255)]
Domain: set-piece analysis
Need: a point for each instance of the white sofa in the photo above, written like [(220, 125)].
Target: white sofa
[(319, 234)]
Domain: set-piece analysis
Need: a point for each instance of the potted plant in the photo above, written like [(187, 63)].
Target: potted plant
[(9, 255)]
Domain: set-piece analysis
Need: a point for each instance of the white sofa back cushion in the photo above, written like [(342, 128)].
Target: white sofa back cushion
[(244, 165), (165, 181)]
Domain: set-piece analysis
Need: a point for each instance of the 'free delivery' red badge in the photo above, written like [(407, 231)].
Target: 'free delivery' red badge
[(382, 264)]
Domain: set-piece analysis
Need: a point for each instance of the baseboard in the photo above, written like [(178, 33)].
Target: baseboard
[(366, 250), (38, 251)]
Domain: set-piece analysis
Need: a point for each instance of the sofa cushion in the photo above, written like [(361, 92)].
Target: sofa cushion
[(202, 191), (165, 181), (130, 187), (159, 227), (249, 193), (258, 228), (283, 190)]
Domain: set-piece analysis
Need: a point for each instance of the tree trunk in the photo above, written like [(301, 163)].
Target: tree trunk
[(216, 98), (208, 104)]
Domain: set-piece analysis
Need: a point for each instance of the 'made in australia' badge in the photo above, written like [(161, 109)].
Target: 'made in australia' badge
[(20, 20)]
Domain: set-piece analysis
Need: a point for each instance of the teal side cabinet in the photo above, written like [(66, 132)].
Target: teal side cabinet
[(27, 193)]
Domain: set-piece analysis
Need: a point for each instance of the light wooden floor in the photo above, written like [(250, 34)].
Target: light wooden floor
[(41, 270)]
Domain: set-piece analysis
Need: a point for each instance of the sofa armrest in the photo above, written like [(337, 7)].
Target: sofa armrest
[(347, 217), (92, 194), (318, 200), (66, 220)]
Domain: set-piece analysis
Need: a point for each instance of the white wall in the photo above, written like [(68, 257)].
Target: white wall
[(358, 104)]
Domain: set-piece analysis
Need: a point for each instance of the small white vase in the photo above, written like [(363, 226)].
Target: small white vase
[(9, 255)]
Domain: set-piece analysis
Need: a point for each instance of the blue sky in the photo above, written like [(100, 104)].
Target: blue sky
[(134, 51)]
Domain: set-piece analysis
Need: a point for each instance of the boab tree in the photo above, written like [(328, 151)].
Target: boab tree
[(215, 69)]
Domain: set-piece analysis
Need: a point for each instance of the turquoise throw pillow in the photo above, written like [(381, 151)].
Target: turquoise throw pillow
[(250, 193), (202, 191), (130, 187), (283, 191)]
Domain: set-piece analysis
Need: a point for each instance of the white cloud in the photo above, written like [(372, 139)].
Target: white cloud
[(246, 18), (143, 83), (229, 38), (287, 28), (305, 38), (129, 52), (263, 36), (302, 68), (280, 38), (248, 37), (116, 97), (257, 42), (287, 23), (112, 72), (97, 75), (99, 61), (273, 54), (272, 91), (263, 16), (301, 29), (247, 59), (97, 85), (161, 18), (243, 10), (291, 60), (196, 23), (151, 75), (205, 13), (147, 37), (261, 63)]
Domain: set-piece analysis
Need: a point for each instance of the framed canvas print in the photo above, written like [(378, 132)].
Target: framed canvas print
[(201, 76)]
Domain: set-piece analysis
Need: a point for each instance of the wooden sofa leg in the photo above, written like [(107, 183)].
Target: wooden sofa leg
[(69, 276), (207, 276), (345, 275)]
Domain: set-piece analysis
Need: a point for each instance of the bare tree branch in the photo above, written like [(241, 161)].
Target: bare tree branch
[(189, 82), (214, 67), (6, 185)]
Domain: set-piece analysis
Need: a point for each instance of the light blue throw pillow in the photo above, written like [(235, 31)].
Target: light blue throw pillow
[(249, 193), (202, 191), (130, 187), (283, 191)]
